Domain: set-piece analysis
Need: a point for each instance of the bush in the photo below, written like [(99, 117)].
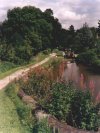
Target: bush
[(83, 114), (47, 51), (58, 52), (42, 127), (87, 58), (91, 59), (5, 66), (59, 104), (73, 106), (55, 63), (63, 101), (96, 66), (38, 84)]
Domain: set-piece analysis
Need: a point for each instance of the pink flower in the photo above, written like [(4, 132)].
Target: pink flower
[(92, 86), (98, 97), (82, 81)]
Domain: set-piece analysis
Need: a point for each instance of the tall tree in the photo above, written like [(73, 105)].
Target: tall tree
[(98, 30), (85, 36)]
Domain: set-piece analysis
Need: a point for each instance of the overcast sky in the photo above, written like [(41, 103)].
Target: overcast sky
[(68, 12)]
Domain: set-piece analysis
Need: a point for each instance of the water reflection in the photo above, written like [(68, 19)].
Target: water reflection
[(80, 77)]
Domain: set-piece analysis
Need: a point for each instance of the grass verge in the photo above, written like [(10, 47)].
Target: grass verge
[(19, 112), (9, 119), (7, 68)]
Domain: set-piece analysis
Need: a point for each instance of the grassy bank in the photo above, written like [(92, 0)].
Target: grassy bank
[(18, 117), (7, 68), (53, 62), (9, 119)]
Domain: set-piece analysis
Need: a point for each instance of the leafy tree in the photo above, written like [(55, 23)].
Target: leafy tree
[(98, 30), (42, 30), (72, 30), (34, 41), (7, 52), (49, 12), (85, 38), (88, 57), (56, 28), (23, 52)]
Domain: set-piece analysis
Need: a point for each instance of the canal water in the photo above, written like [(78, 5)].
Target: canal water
[(80, 76)]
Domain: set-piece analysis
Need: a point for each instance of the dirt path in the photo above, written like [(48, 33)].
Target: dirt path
[(4, 82)]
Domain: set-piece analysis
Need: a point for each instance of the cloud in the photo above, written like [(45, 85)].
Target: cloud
[(68, 12)]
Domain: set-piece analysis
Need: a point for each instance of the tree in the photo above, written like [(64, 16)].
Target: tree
[(48, 12), (72, 30), (71, 37), (98, 30), (24, 25), (56, 30), (86, 39), (64, 39), (35, 42)]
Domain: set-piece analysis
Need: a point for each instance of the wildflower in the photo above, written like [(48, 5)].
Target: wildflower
[(92, 86)]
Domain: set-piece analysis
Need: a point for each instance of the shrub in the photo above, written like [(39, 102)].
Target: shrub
[(5, 66), (73, 106), (58, 52), (38, 84), (90, 58), (87, 58), (83, 114), (63, 101), (59, 104), (42, 127), (55, 63), (47, 51), (96, 66)]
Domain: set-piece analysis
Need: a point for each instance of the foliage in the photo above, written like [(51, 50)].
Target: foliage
[(42, 127), (54, 63), (59, 105), (26, 32), (5, 66), (98, 47), (96, 66), (90, 58), (38, 84), (24, 112), (10, 122), (73, 106), (98, 30), (84, 39), (63, 100), (47, 51), (83, 114)]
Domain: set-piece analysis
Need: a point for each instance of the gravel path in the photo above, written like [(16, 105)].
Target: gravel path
[(5, 81)]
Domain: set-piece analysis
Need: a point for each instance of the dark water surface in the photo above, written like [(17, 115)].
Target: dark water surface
[(80, 76)]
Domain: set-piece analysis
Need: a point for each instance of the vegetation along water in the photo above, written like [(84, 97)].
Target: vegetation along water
[(67, 87)]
